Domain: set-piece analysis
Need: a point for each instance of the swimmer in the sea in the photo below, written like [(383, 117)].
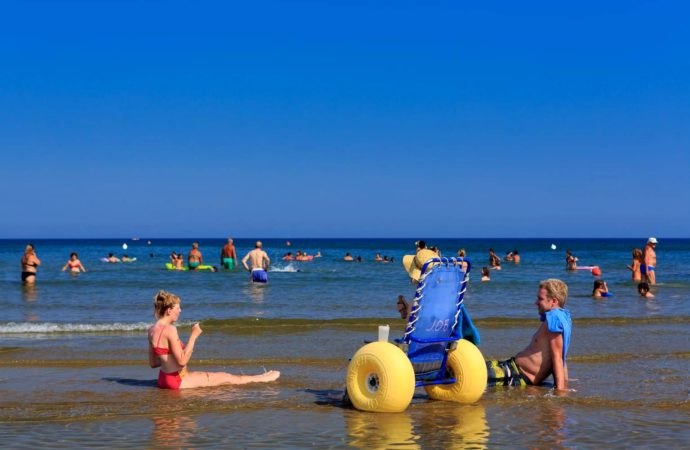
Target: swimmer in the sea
[(167, 351), (74, 264), (516, 257), (485, 274), (600, 289), (112, 258), (643, 289)]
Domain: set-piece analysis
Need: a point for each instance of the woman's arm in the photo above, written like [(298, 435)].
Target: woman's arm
[(182, 356), (81, 266), (154, 360), (65, 266)]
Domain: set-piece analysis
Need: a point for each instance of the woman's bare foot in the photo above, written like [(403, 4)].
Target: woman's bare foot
[(403, 307), (265, 377)]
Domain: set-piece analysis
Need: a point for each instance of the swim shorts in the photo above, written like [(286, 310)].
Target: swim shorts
[(259, 276), (229, 263), (505, 373), (194, 264)]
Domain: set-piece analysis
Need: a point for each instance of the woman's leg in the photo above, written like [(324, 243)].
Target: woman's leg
[(204, 379)]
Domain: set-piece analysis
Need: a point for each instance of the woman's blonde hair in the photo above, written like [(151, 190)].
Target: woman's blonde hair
[(163, 301), (637, 254), (29, 249)]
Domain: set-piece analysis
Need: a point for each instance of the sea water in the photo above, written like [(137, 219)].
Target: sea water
[(73, 348)]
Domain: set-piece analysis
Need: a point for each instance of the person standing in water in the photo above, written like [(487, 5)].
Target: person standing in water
[(74, 264), (648, 267), (194, 258), (259, 264), (30, 263), (637, 261), (228, 256)]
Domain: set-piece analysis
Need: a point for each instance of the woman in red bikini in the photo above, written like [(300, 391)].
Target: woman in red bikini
[(74, 265), (168, 352)]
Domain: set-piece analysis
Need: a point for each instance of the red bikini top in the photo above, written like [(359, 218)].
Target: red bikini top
[(163, 350)]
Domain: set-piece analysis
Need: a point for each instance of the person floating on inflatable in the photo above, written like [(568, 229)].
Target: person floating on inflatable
[(111, 258), (259, 264), (228, 256), (546, 354)]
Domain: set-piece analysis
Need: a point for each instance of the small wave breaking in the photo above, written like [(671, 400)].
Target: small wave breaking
[(48, 328), (288, 268)]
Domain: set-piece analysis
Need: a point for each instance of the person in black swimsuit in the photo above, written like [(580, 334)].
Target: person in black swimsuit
[(30, 263)]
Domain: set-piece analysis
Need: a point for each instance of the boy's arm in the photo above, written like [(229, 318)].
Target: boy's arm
[(560, 374)]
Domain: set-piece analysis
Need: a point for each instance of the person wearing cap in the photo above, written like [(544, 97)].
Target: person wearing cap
[(649, 264)]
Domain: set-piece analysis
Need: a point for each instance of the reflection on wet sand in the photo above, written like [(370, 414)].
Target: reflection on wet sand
[(553, 432), (256, 292), (381, 430), (447, 425), (173, 431), (29, 292), (453, 426), (30, 295)]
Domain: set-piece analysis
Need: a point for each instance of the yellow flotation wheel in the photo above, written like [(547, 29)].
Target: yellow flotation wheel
[(380, 378), (465, 364)]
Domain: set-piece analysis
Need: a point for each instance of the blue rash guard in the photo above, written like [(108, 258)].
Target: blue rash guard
[(558, 321)]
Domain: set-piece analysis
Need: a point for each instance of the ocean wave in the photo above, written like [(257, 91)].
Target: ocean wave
[(48, 328), (259, 324)]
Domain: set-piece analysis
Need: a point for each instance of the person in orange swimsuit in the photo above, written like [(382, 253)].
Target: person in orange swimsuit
[(74, 265), (168, 352)]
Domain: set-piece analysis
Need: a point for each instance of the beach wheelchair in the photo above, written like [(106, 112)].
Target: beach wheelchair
[(438, 350)]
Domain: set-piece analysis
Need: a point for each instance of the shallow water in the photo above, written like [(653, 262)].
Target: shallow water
[(74, 370)]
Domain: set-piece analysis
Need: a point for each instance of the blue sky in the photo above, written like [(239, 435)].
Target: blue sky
[(344, 119)]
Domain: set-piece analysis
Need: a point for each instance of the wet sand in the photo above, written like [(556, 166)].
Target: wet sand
[(105, 395)]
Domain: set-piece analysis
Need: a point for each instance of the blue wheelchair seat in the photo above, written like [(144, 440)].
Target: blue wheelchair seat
[(438, 318)]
